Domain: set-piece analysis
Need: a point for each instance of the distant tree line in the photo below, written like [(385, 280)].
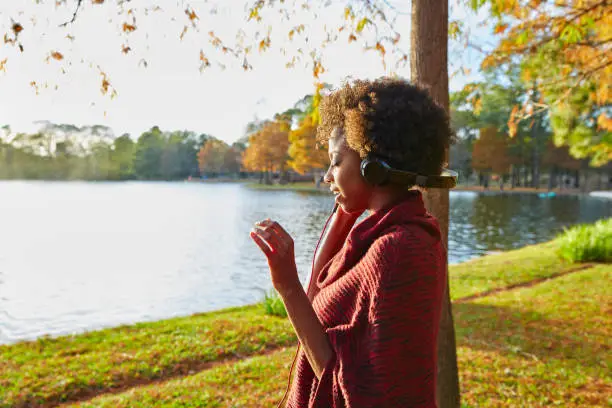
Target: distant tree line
[(68, 152), (285, 146)]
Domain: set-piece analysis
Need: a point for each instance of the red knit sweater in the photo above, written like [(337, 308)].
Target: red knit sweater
[(379, 302)]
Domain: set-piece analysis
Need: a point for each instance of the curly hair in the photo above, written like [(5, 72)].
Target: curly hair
[(389, 118)]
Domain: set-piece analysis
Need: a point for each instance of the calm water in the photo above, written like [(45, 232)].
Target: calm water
[(81, 256)]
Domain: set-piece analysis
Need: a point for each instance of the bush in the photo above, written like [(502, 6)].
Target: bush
[(587, 243), (273, 305)]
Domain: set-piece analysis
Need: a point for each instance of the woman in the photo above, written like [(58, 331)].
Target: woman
[(368, 323)]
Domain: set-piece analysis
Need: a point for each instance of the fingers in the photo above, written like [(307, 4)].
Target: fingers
[(261, 243), (275, 228), (274, 235), (276, 244)]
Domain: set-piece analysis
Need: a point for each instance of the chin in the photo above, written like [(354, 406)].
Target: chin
[(351, 209)]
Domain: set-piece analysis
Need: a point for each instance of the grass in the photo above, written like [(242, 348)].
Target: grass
[(505, 269), (303, 187), (587, 243), (540, 346), (273, 305), (71, 367), (54, 370)]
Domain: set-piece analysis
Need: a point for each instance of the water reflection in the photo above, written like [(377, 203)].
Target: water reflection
[(80, 256)]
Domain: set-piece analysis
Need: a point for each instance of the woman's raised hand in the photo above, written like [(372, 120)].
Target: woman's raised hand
[(278, 247)]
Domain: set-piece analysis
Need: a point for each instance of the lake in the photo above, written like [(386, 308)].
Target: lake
[(80, 256)]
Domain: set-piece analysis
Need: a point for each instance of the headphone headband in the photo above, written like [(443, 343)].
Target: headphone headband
[(378, 172)]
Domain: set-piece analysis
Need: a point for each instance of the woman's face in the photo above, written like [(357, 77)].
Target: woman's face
[(344, 175)]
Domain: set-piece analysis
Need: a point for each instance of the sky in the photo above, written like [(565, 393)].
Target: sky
[(171, 91)]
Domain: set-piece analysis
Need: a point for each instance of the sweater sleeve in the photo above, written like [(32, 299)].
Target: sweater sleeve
[(391, 361)]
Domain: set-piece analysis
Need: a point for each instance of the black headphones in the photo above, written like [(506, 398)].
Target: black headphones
[(377, 172)]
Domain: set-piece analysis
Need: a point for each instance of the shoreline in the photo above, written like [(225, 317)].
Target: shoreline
[(310, 187)]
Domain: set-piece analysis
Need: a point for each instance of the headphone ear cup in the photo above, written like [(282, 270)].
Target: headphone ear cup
[(374, 171)]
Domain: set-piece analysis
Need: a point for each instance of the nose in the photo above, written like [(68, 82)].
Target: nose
[(328, 177)]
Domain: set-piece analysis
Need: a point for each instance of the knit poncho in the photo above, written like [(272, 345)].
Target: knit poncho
[(379, 301)]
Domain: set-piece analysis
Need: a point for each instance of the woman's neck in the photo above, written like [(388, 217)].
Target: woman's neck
[(388, 197)]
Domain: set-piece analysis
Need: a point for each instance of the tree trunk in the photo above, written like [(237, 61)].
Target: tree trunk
[(429, 68), (551, 178), (535, 157), (577, 179)]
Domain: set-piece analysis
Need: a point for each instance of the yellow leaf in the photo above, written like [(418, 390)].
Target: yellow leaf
[(3, 65), (477, 106), (488, 62), (348, 13), (526, 75), (604, 122), (362, 23)]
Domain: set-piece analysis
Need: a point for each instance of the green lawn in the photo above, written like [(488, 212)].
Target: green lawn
[(560, 322), (67, 368), (541, 346)]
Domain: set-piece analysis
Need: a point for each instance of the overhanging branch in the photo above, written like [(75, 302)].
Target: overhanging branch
[(73, 15)]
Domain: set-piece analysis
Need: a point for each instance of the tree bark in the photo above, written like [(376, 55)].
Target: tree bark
[(429, 69)]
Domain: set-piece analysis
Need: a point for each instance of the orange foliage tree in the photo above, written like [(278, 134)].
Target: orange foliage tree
[(564, 52), (267, 149), (304, 152), (491, 152), (211, 156)]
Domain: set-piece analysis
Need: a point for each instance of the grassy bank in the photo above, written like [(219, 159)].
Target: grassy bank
[(306, 187), (533, 347), (539, 344)]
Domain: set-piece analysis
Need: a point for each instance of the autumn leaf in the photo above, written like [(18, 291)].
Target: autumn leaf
[(380, 48), (477, 106), (192, 15), (34, 85), (3, 65), (264, 44), (454, 30), (97, 1), (362, 23), (185, 28), (17, 28), (488, 61), (317, 69), (128, 28), (105, 84), (500, 28), (254, 14), (204, 61), (348, 13), (245, 64), (57, 55), (352, 38), (603, 122), (125, 49)]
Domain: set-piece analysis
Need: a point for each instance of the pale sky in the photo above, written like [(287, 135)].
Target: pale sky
[(170, 92)]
